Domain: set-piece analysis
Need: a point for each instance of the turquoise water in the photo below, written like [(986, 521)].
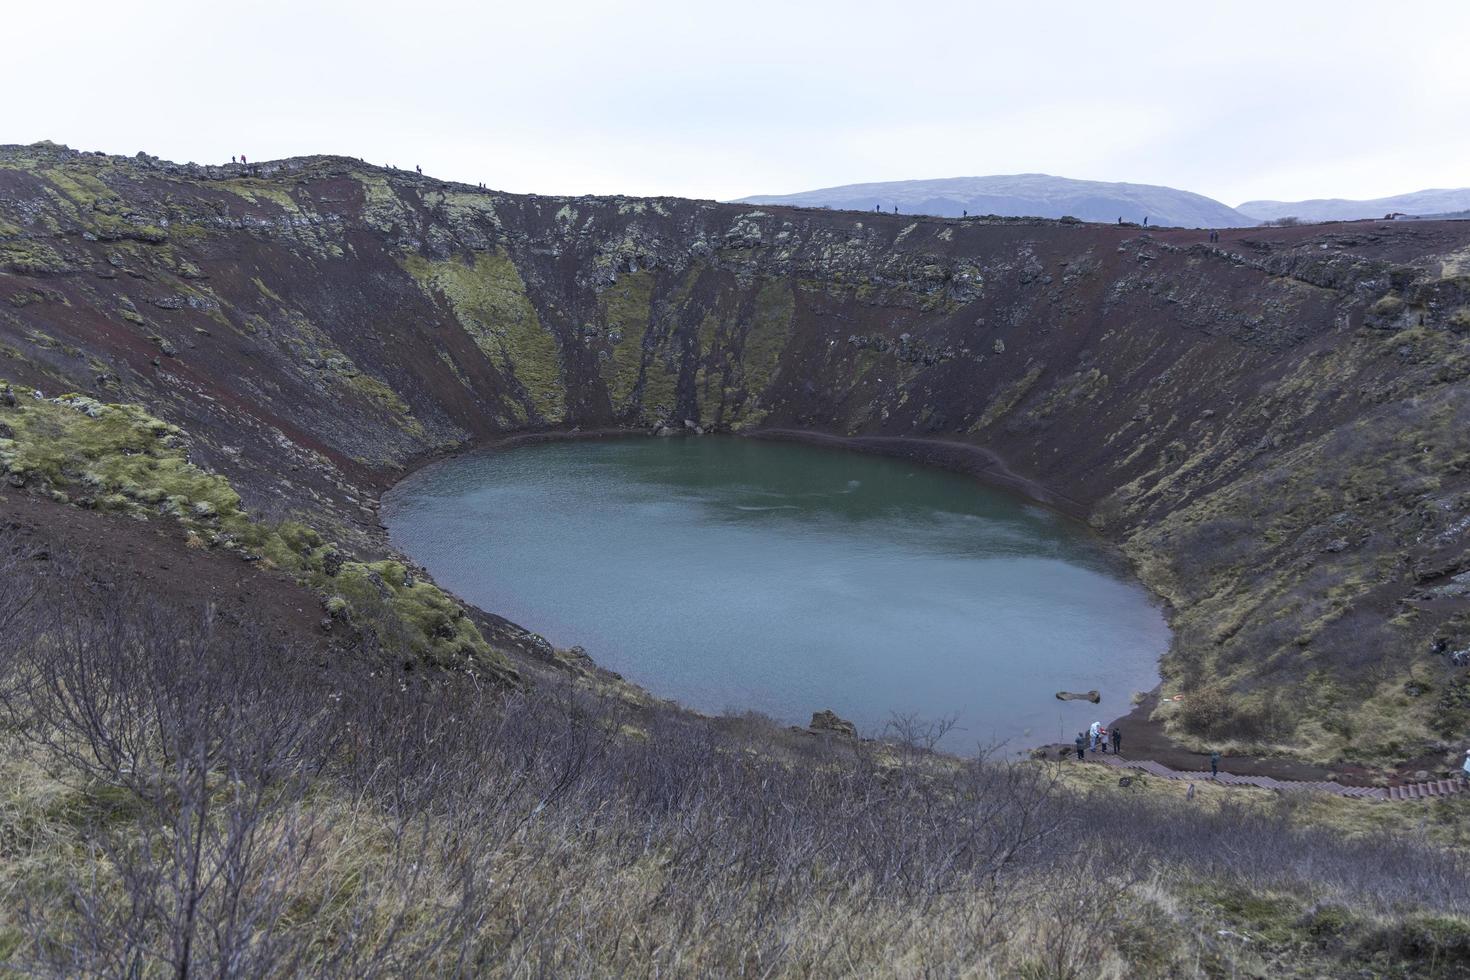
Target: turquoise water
[(734, 574)]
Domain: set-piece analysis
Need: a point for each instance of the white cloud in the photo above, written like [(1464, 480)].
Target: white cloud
[(1247, 99)]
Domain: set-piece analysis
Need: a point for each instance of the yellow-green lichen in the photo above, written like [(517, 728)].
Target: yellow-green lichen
[(30, 257), (766, 336), (489, 299), (114, 456), (377, 391), (436, 628), (1007, 398), (627, 311), (257, 191), (265, 290)]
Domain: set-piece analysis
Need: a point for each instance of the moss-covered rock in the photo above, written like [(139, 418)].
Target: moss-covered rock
[(121, 458), (31, 257)]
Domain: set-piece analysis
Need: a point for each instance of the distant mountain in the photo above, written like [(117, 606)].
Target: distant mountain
[(1436, 202), (1036, 195)]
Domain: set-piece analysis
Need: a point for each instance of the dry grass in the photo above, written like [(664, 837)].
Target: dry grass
[(180, 798)]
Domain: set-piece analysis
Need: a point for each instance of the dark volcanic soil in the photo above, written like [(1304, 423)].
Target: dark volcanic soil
[(112, 551)]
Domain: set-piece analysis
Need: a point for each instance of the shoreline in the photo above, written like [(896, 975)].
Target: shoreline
[(984, 465), (1144, 736), (511, 440), (1141, 731)]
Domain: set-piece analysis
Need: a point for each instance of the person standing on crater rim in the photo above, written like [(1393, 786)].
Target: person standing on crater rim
[(1215, 765), (1117, 739), (1081, 742)]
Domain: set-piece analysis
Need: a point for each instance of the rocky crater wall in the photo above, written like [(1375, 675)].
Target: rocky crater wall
[(1273, 427)]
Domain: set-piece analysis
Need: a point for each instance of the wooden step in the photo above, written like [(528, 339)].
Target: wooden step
[(1407, 791)]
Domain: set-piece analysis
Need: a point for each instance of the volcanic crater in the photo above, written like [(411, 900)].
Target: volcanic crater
[(1272, 427)]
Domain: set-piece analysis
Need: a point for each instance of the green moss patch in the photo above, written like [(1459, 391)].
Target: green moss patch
[(489, 299), (436, 627), (29, 257), (766, 336), (627, 309), (120, 458), (1261, 916), (1436, 943), (114, 456)]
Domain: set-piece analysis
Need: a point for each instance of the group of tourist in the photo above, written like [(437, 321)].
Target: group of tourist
[(1097, 738)]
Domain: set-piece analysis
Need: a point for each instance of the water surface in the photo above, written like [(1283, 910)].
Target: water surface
[(733, 574)]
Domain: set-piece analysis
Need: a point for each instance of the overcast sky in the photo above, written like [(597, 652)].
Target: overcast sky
[(1238, 100)]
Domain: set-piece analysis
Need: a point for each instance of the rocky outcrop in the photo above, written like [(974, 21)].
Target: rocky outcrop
[(827, 722)]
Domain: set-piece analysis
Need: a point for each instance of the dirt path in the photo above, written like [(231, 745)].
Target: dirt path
[(1147, 748), (1408, 791), (1145, 738)]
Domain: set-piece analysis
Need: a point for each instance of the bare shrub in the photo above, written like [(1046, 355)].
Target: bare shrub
[(19, 587), (914, 733), (210, 746), (259, 811), (1205, 710)]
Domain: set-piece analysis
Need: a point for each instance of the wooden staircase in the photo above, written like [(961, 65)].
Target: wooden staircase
[(1409, 791)]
